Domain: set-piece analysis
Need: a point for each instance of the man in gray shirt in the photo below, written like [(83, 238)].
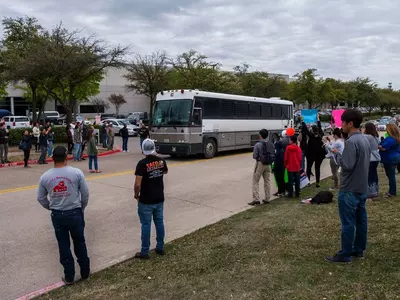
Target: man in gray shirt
[(64, 191), (354, 162)]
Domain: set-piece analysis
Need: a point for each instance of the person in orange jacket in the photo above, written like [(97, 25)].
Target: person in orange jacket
[(292, 159)]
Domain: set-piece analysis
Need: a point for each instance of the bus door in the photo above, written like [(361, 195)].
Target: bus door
[(196, 126)]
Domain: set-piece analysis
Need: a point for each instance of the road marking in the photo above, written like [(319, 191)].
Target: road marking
[(130, 172)]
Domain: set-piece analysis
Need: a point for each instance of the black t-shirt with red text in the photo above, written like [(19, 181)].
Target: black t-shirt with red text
[(152, 169)]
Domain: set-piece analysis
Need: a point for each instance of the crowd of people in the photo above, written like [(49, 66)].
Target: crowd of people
[(356, 151)]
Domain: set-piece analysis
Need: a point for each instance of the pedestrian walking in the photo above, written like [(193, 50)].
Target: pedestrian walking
[(149, 192), (372, 136), (104, 135), (315, 151), (123, 132), (84, 140), (293, 159), (64, 191), (70, 139), (26, 146), (390, 156), (354, 163), (264, 155), (92, 152), (77, 142)]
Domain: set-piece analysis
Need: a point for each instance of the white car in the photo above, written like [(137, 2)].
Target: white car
[(13, 122), (382, 125), (118, 124)]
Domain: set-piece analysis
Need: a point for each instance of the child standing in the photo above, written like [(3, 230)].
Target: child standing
[(293, 159)]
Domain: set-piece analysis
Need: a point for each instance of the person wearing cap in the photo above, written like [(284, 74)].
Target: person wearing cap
[(149, 192), (64, 191)]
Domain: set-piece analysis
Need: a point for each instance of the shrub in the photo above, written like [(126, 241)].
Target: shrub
[(60, 136)]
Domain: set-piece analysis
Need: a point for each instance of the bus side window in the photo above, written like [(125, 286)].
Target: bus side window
[(196, 117)]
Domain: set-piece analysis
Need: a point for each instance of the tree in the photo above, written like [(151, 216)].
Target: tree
[(117, 101), (147, 75), (99, 105), (331, 91), (305, 88), (194, 71), (366, 93), (76, 62), (19, 49)]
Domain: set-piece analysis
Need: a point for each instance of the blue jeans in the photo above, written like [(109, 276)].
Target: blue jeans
[(105, 139), (43, 152), (353, 214), (125, 143), (77, 152), (66, 223), (93, 159), (50, 149), (390, 171), (146, 212)]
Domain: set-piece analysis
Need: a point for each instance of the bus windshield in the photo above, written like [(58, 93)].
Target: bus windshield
[(172, 112)]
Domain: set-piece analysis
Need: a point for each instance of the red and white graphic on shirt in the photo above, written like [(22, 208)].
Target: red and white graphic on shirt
[(60, 187)]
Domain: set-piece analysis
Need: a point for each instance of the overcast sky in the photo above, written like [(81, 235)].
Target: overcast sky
[(342, 39)]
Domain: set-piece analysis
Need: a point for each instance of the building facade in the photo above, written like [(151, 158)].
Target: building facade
[(113, 83)]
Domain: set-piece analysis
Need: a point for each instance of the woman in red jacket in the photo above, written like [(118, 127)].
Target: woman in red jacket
[(293, 158)]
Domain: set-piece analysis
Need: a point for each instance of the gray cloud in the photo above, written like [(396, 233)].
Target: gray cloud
[(342, 39)]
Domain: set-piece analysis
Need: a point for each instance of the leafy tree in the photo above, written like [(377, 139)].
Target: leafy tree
[(332, 91), (148, 75), (77, 63), (117, 101), (305, 89), (195, 71), (366, 93), (19, 49), (99, 104)]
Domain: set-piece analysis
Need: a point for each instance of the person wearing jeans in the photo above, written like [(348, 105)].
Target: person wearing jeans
[(92, 153), (50, 139), (354, 162), (77, 142), (69, 184), (293, 157), (149, 192), (390, 156), (372, 135)]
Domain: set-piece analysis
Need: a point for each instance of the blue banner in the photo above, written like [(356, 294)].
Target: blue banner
[(309, 115)]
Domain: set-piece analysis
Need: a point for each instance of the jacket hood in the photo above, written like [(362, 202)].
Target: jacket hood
[(291, 148)]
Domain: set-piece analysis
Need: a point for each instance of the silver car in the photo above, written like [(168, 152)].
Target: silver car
[(118, 124)]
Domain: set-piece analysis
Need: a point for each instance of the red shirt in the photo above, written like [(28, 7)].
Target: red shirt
[(293, 158)]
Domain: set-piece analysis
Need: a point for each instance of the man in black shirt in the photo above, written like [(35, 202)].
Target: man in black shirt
[(123, 132), (144, 134), (149, 191)]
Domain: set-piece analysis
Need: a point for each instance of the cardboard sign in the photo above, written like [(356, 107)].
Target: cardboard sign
[(98, 120), (309, 115)]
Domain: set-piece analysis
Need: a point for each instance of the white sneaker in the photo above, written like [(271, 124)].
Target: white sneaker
[(127, 151), (124, 151)]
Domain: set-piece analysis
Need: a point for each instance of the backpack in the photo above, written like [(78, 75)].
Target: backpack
[(268, 153)]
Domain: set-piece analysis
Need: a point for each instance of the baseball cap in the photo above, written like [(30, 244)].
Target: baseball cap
[(148, 147), (284, 133), (60, 151)]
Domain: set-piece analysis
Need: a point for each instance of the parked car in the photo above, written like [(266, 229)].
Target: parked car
[(4, 112), (382, 124), (119, 124), (49, 116), (13, 122)]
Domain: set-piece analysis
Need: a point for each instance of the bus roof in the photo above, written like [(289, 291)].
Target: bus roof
[(190, 94)]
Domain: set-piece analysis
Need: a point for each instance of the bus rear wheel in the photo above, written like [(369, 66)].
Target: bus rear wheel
[(210, 149)]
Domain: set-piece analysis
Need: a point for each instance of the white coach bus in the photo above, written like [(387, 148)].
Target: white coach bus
[(187, 122)]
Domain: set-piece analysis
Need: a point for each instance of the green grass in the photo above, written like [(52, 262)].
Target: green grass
[(270, 252)]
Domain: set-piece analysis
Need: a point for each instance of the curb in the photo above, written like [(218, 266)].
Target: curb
[(34, 162)]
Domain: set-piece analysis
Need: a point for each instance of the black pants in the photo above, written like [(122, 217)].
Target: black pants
[(37, 145), (66, 223), (310, 162), (70, 147), (26, 157), (293, 178), (83, 148), (280, 179), (398, 168)]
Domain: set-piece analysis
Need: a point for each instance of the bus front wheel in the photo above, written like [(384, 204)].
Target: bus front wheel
[(210, 149)]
